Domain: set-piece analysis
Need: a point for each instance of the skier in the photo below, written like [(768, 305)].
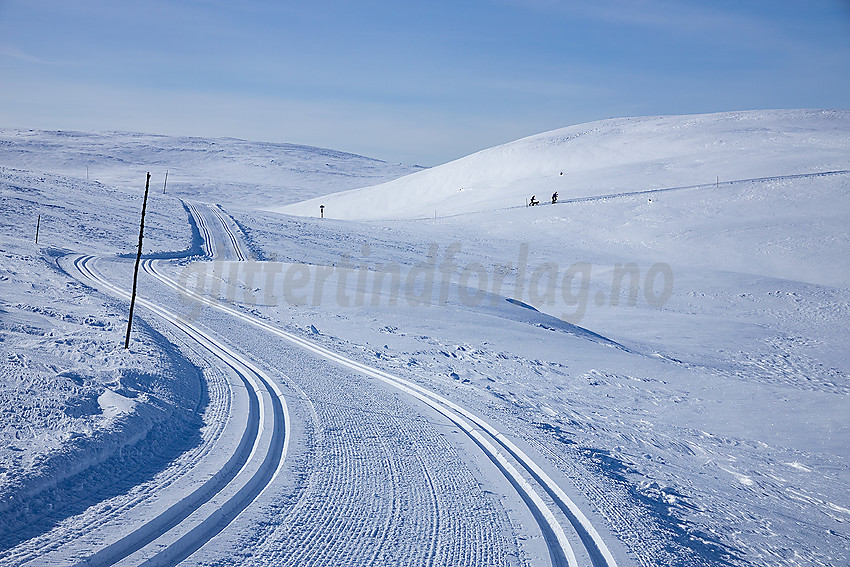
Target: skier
[(534, 201), (554, 197)]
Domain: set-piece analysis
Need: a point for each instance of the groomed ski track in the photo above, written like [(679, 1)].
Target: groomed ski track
[(186, 526), (203, 228), (234, 241), (249, 471), (204, 213), (529, 480)]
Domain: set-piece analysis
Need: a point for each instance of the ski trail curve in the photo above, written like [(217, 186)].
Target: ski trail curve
[(187, 525), (533, 485)]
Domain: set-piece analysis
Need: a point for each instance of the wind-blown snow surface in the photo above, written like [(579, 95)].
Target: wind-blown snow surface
[(703, 426)]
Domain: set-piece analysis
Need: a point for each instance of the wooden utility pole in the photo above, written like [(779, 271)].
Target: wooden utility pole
[(138, 259)]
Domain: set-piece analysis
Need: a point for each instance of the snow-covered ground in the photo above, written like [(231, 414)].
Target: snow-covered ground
[(600, 158), (668, 341)]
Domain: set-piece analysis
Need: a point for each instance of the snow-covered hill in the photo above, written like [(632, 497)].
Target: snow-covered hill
[(225, 170), (609, 156), (705, 427)]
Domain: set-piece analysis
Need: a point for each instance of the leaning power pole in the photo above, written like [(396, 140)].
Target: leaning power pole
[(138, 259)]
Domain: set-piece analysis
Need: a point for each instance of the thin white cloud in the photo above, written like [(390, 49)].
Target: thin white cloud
[(13, 52), (703, 21)]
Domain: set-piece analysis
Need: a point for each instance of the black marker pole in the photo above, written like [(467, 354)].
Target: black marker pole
[(138, 259)]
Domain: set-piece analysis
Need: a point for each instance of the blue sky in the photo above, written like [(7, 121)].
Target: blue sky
[(411, 81)]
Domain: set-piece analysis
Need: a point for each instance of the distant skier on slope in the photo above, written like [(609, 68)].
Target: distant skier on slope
[(534, 201), (554, 197)]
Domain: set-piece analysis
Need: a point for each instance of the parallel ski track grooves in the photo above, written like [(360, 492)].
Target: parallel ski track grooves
[(487, 437), (203, 227), (43, 544), (255, 381), (233, 240)]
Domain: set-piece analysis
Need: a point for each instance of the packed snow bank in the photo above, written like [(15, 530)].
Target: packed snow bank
[(610, 156), (71, 397)]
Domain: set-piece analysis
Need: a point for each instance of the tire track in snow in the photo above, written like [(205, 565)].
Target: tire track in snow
[(252, 467), (501, 450)]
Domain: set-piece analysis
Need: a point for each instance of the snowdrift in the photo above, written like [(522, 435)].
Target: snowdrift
[(609, 156)]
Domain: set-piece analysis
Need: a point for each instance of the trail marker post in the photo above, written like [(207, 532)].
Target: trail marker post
[(37, 227), (166, 182), (138, 259)]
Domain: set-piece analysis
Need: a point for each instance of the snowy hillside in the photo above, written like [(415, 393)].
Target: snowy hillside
[(214, 170), (610, 156), (72, 398), (653, 371)]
